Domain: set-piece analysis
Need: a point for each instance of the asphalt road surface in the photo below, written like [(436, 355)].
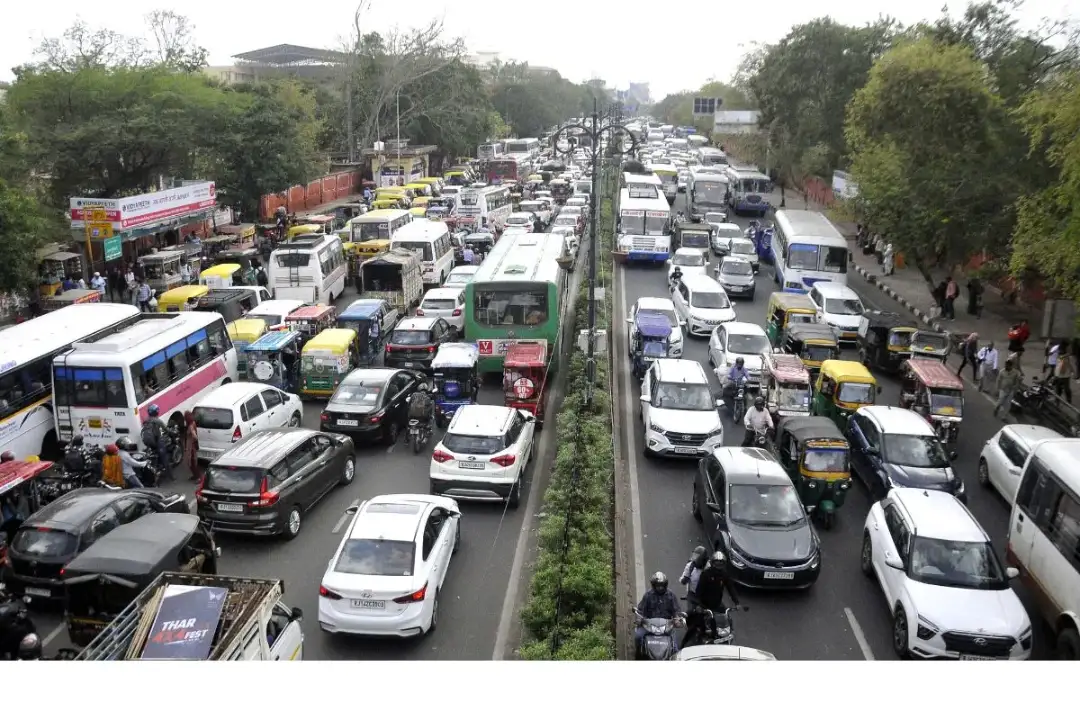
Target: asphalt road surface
[(843, 616), (477, 585)]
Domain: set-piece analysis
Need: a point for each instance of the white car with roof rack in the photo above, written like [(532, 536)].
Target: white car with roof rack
[(678, 411), (385, 577)]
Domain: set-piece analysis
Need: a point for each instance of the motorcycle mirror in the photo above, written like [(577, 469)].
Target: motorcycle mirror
[(719, 403), (1012, 573)]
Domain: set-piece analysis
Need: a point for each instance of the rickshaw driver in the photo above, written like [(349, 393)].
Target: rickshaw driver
[(757, 419), (421, 406)]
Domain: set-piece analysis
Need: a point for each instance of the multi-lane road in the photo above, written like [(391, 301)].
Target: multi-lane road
[(843, 617)]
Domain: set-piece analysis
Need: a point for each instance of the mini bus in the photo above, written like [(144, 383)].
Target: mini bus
[(310, 268), (807, 248), (431, 240), (749, 191)]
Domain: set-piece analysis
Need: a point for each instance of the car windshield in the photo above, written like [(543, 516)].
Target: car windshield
[(748, 344), (845, 306), (765, 505), (364, 393), (458, 278), (566, 220), (410, 337), (518, 220), (689, 259), (717, 218), (952, 563), (920, 451), (473, 444), (376, 557), (820, 460), (853, 392), (737, 267), (233, 479), (683, 396), (742, 247), (946, 402), (709, 300), (44, 542)]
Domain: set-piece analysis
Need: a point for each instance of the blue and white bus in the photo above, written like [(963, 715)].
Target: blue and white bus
[(644, 227), (749, 191), (807, 249)]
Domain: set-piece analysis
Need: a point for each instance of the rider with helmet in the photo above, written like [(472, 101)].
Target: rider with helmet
[(75, 455), (129, 465), (757, 419), (155, 437), (7, 456), (657, 602), (421, 405), (710, 592), (692, 572), (30, 647), (738, 372)]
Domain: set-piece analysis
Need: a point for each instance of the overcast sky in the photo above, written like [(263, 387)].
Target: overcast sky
[(672, 46)]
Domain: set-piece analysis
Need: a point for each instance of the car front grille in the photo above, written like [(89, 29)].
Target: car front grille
[(686, 439), (986, 645)]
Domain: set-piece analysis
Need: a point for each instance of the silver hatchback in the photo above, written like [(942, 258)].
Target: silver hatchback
[(736, 276)]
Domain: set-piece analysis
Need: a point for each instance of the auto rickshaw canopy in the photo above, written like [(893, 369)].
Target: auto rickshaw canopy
[(334, 341), (456, 355), (525, 355), (222, 271), (246, 329), (842, 371), (934, 374)]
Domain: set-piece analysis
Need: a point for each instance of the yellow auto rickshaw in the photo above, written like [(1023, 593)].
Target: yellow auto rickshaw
[(390, 202), (419, 188), (421, 201), (221, 276), (813, 343), (435, 183), (325, 361), (326, 223), (395, 190), (185, 297), (304, 229), (815, 455), (842, 387), (784, 309), (244, 332), (418, 212)]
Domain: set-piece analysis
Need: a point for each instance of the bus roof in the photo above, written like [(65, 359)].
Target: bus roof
[(797, 225), (142, 338), (663, 167), (522, 257), (56, 330), (627, 202), (422, 229), (709, 172), (380, 216), (746, 174)]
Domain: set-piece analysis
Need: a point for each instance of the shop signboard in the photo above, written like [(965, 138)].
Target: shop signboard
[(146, 209), (113, 248)]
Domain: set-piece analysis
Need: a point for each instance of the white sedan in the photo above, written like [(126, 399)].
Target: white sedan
[(689, 261), (387, 572)]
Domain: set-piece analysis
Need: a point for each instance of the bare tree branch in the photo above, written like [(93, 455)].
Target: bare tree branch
[(174, 41)]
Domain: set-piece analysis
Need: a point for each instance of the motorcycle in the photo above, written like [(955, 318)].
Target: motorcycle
[(761, 439), (419, 434), (659, 642), (738, 407), (1031, 398), (715, 629), (15, 624)]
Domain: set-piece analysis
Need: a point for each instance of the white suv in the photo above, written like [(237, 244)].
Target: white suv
[(702, 303), (946, 587), (678, 410), (1003, 457), (483, 454)]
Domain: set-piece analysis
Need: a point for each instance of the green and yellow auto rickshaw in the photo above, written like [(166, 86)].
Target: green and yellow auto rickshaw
[(325, 361), (813, 343), (842, 387), (786, 309), (816, 456)]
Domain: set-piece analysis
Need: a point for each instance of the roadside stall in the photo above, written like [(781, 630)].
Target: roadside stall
[(77, 296), (813, 343), (244, 332), (325, 361), (185, 297), (930, 388), (456, 379), (270, 358), (884, 340), (785, 383), (310, 320), (525, 378), (786, 309), (394, 276), (816, 456), (222, 276), (54, 268), (842, 388), (163, 269)]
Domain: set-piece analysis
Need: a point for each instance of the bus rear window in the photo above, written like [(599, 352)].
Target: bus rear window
[(424, 248), (90, 387), (373, 231), (293, 259), (511, 307)]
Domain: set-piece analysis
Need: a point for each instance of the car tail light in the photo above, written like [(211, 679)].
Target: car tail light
[(327, 593), (267, 497), (377, 417), (200, 484), (504, 460), (440, 456), (457, 312), (388, 348), (431, 348), (419, 312), (415, 597), (236, 434), (324, 417), (62, 571)]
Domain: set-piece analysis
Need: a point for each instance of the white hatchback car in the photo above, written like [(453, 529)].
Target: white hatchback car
[(839, 307), (274, 312), (234, 411), (947, 590), (484, 454), (1003, 457), (387, 572), (733, 340), (678, 411), (447, 303), (702, 304), (460, 276), (520, 219), (690, 261)]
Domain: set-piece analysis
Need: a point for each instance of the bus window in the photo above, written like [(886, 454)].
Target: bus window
[(512, 307)]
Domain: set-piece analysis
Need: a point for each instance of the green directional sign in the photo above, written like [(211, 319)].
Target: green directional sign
[(113, 248)]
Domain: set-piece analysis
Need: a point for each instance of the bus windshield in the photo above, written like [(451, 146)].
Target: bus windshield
[(631, 223), (656, 223), (802, 257), (511, 304), (709, 192)]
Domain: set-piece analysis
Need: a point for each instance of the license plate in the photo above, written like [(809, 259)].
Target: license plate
[(408, 364), (348, 423), (369, 604), (94, 423), (209, 453), (471, 465), (977, 657), (686, 451), (772, 575), (229, 507), (38, 592)]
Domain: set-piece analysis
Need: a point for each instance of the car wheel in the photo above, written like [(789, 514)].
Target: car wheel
[(866, 558), (1068, 645), (350, 471), (390, 435), (515, 494), (294, 421), (292, 523), (900, 633), (984, 473), (695, 507)]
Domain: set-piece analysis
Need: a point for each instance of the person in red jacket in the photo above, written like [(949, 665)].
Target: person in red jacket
[(1018, 336)]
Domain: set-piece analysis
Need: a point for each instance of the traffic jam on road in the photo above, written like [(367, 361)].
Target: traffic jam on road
[(794, 437), (350, 471)]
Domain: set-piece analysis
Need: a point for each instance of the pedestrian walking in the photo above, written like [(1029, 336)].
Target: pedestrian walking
[(969, 355), (98, 283), (1008, 382), (1051, 352), (975, 292), (988, 366), (952, 291), (115, 284), (1064, 373), (888, 258), (130, 284), (1018, 336), (142, 295)]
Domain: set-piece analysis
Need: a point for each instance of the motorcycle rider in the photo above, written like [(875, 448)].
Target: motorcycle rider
[(657, 602), (676, 276), (421, 406), (738, 372), (125, 446), (75, 459), (30, 647), (156, 438), (757, 419), (692, 572), (710, 594)]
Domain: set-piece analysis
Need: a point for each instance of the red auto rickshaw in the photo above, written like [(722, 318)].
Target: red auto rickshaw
[(19, 495), (525, 378)]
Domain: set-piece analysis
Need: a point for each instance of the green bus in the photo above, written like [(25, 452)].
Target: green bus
[(518, 293)]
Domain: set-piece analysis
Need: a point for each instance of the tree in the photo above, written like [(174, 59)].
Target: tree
[(678, 108), (1047, 237), (174, 41), (925, 145)]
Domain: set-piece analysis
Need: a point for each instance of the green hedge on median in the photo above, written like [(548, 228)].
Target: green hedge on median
[(579, 563)]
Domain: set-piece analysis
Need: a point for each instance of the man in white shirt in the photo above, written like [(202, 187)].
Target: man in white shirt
[(757, 419), (988, 366)]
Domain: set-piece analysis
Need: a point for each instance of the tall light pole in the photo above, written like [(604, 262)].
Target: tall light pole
[(610, 124)]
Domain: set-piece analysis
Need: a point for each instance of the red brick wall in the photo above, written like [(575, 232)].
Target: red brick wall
[(300, 198)]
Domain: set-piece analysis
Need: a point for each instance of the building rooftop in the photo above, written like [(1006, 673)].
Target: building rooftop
[(284, 55)]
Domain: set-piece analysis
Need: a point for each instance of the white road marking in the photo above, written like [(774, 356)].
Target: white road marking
[(52, 635), (629, 397), (344, 517), (859, 636)]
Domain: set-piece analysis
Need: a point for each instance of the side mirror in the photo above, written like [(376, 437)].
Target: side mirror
[(644, 398), (352, 509), (893, 561), (296, 614), (953, 455), (719, 403), (530, 419), (1012, 573)]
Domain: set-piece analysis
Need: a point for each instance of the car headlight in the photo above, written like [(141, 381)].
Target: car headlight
[(1025, 639), (656, 428), (718, 431), (815, 562), (736, 559), (926, 629)]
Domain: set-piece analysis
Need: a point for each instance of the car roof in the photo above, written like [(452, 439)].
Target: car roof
[(750, 466), (444, 293), (416, 323), (376, 374), (938, 514), (897, 421), (484, 420), (835, 290), (1061, 455), (684, 371), (701, 282), (264, 448), (743, 328), (1031, 434), (689, 251), (650, 303), (230, 394), (386, 517), (465, 270), (73, 509)]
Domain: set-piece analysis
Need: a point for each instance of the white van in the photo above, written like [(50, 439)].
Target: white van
[(1044, 539), (431, 240), (839, 307), (231, 413)]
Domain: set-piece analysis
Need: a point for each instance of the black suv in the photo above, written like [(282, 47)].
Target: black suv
[(415, 340), (266, 484)]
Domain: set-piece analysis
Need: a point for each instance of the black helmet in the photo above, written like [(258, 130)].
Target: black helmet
[(739, 362), (759, 402), (699, 557), (659, 582), (7, 456), (717, 561), (126, 443), (77, 441), (30, 647)]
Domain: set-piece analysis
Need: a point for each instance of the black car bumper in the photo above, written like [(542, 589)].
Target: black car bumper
[(38, 588), (775, 578), (268, 522), (408, 363)]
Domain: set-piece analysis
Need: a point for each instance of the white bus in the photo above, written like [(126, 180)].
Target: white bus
[(379, 225), (669, 178), (309, 268), (712, 156), (807, 249), (697, 141), (706, 190), (103, 390), (749, 191), (521, 148), (643, 186), (489, 150), (431, 240), (490, 205), (644, 227), (27, 425)]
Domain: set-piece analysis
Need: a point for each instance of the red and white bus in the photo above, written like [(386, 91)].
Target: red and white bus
[(504, 169), (103, 390)]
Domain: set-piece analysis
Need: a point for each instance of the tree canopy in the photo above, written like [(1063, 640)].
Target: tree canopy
[(678, 108)]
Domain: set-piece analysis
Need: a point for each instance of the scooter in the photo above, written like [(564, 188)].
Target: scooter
[(15, 624), (716, 629), (659, 642), (419, 434)]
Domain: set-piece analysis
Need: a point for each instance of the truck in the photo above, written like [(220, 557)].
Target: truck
[(190, 616)]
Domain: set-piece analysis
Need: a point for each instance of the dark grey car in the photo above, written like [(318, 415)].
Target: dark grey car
[(736, 276)]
